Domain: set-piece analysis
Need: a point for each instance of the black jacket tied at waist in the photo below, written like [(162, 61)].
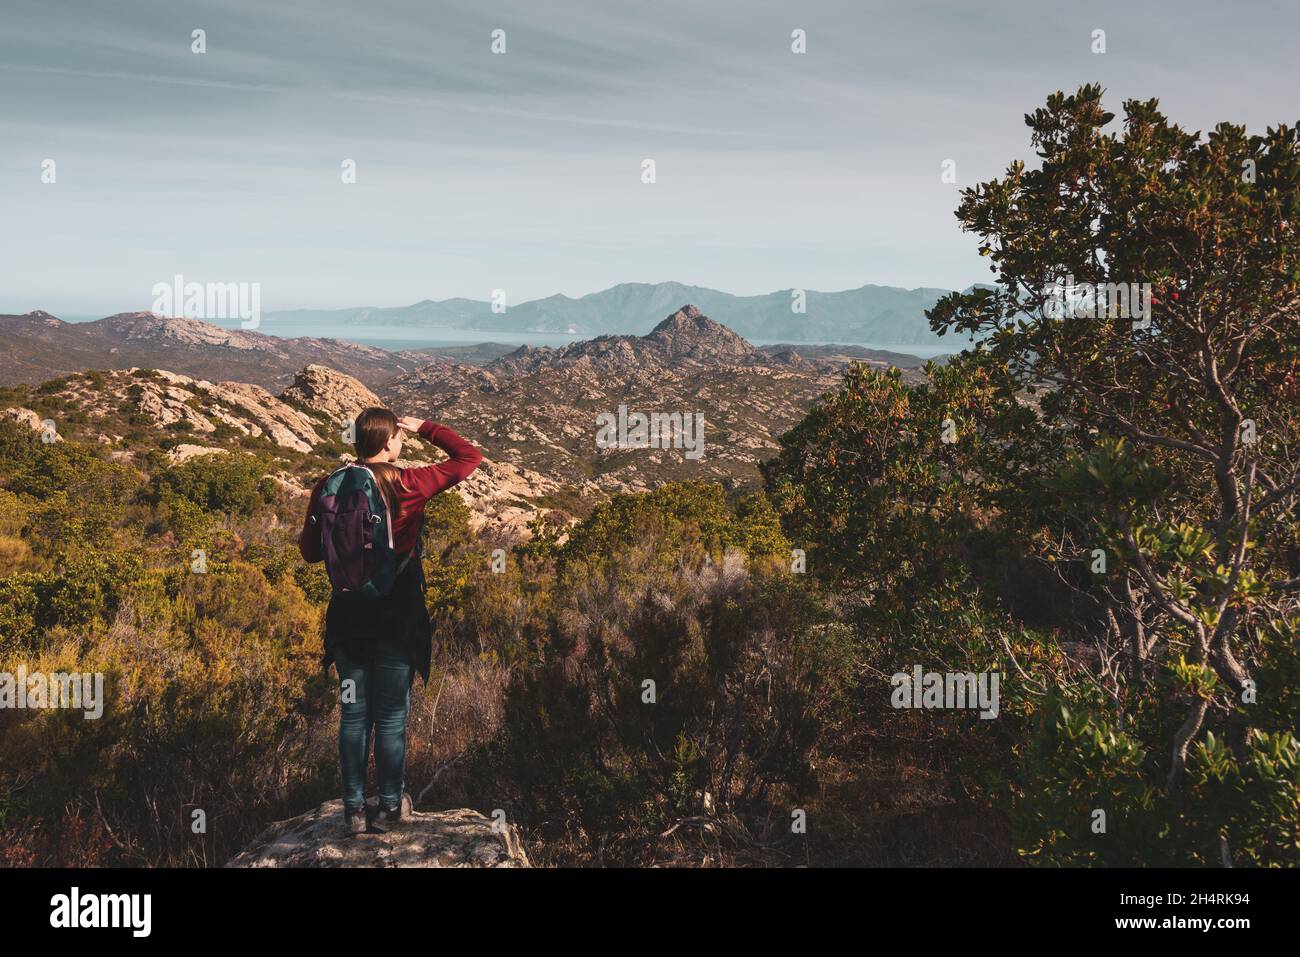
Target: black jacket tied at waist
[(356, 624)]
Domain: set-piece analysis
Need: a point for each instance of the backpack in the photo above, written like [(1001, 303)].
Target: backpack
[(356, 534)]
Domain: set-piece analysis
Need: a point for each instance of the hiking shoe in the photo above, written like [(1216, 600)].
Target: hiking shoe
[(380, 819), (354, 821)]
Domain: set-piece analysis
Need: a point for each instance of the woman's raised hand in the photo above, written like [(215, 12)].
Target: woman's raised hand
[(410, 423)]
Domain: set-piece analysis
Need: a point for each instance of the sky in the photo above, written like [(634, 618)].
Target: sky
[(523, 171)]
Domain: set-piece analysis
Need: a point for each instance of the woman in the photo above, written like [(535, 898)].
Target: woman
[(379, 644)]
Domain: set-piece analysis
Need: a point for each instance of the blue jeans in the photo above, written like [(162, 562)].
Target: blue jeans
[(380, 695)]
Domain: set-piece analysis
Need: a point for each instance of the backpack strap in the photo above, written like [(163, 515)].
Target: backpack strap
[(389, 521), (314, 506), (419, 544)]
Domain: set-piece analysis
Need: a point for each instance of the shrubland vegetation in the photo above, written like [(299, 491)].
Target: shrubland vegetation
[(1104, 515)]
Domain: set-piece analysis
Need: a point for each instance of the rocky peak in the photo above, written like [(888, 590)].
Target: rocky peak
[(688, 332), (191, 332), (791, 358), (330, 392)]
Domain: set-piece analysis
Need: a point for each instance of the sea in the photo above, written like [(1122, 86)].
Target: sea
[(397, 338)]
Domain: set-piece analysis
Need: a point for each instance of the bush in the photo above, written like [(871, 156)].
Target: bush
[(213, 692), (40, 470), (746, 670), (231, 484)]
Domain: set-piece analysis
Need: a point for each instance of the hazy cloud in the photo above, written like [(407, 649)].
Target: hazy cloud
[(522, 171)]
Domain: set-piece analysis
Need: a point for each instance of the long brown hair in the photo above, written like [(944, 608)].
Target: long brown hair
[(373, 428)]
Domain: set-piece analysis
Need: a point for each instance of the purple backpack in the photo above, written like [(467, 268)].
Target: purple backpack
[(356, 534)]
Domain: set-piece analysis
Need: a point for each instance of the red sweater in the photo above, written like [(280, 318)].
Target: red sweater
[(418, 486)]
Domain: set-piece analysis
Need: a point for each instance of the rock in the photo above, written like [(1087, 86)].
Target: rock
[(28, 418), (454, 838), (499, 497), (168, 399), (150, 326), (333, 393), (185, 452), (286, 426), (168, 407), (289, 484), (24, 417), (690, 333)]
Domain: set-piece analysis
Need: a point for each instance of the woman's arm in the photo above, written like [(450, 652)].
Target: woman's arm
[(463, 459)]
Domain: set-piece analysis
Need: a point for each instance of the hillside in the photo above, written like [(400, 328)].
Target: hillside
[(532, 410), (152, 417), (38, 346), (537, 407), (184, 388)]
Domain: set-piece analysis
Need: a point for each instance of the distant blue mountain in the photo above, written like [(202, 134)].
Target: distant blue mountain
[(870, 314)]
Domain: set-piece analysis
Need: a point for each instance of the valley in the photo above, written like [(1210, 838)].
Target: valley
[(167, 390)]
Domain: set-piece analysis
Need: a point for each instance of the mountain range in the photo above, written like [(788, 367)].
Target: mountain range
[(37, 346), (140, 380), (537, 407), (867, 315)]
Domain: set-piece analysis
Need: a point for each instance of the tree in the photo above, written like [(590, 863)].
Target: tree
[(1148, 287)]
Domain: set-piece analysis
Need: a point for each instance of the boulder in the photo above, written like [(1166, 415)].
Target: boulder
[(168, 406), (328, 391), (286, 426), (454, 838), (184, 452), (28, 418), (25, 416)]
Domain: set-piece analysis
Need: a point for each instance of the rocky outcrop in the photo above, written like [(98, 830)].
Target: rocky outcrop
[(184, 452), (689, 334), (502, 497), (686, 337), (28, 418), (150, 326), (167, 405), (537, 408), (286, 426), (169, 400), (329, 392), (455, 838)]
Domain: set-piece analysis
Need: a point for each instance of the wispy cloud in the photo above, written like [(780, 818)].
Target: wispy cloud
[(478, 171)]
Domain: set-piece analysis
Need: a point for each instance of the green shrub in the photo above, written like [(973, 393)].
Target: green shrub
[(232, 484)]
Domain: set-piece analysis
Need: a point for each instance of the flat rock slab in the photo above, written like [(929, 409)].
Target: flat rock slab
[(454, 838)]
